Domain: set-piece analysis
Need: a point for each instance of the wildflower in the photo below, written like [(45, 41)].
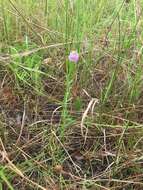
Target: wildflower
[(74, 56)]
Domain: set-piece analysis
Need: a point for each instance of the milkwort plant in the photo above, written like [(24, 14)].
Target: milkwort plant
[(71, 70)]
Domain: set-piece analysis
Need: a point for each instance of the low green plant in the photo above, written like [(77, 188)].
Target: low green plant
[(26, 69), (4, 179)]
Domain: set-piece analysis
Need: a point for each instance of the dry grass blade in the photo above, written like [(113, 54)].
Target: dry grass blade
[(120, 181), (22, 126), (91, 105)]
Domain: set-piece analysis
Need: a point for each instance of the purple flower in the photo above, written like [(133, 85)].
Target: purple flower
[(74, 56)]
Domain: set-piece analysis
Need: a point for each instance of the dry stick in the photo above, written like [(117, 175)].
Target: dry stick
[(16, 170), (85, 115), (119, 181), (105, 146), (22, 126)]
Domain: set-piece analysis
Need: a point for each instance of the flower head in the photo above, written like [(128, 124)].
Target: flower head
[(74, 56)]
